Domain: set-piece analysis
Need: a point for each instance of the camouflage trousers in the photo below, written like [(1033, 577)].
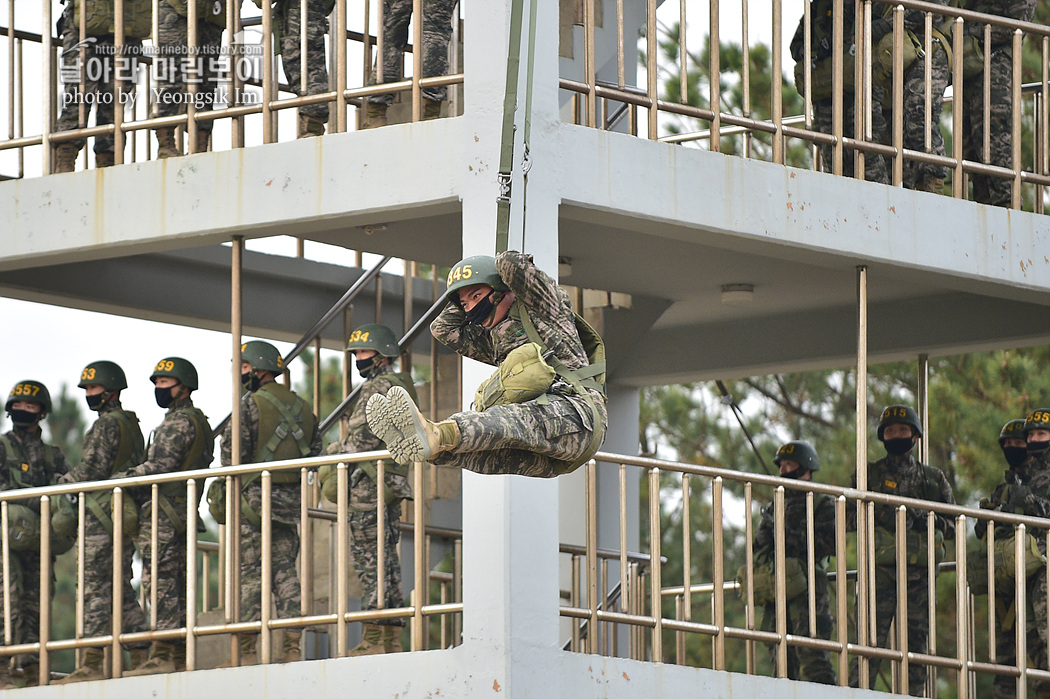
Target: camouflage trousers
[(437, 31), (24, 589), (1006, 641), (171, 564), (364, 540), (914, 115), (876, 169), (98, 583), (527, 439), (809, 664), (284, 550), (918, 625), (291, 51), (176, 67), (100, 73), (986, 188)]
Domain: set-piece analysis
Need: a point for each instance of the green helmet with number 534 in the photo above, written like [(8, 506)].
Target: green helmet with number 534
[(899, 415), (106, 374), (801, 452), (262, 356), (31, 392), (478, 269), (374, 337), (177, 368), (1037, 420)]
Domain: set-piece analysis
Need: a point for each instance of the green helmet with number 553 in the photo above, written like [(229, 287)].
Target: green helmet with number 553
[(106, 374), (374, 337), (31, 392), (478, 269), (1037, 420), (801, 452), (262, 356), (1012, 430), (899, 415), (177, 368)]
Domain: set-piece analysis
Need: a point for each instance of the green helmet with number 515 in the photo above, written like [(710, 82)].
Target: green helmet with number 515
[(477, 269), (177, 368), (899, 415), (374, 337), (106, 374), (30, 392), (801, 452)]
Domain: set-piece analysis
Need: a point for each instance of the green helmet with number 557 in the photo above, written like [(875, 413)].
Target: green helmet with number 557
[(478, 269), (177, 368), (801, 452), (899, 415), (262, 356), (30, 392), (374, 337), (106, 374)]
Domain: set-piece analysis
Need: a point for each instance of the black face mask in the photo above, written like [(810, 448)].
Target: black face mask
[(250, 382), (164, 397), (797, 473), (95, 402), (481, 311), (363, 365), (1038, 447), (23, 418), (900, 446), (1015, 456)]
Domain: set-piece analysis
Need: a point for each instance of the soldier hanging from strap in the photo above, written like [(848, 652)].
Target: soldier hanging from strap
[(542, 413)]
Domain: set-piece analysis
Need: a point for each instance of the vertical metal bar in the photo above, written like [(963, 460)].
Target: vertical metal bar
[(44, 632), (603, 585), (269, 88), (591, 523), (841, 590), (118, 105), (193, 42), (590, 69), (417, 59), (1020, 623), (380, 39), (654, 563), (306, 547), (317, 375), (923, 395), (957, 109), (342, 544), (574, 601), (898, 96), (745, 73), (807, 96), (340, 65), (154, 560), (683, 56), (679, 636), (232, 578), (265, 644), (687, 549), (811, 565), (47, 79), (749, 579), (863, 73), (1043, 127), (233, 29), (718, 575), (928, 117), (863, 540), (902, 623), (117, 506), (6, 544), (779, 558), (81, 519), (407, 278), (626, 591), (11, 78), (961, 622), (931, 600), (191, 574), (457, 589), (380, 535), (1015, 122), (859, 107), (836, 85), (422, 563), (986, 83), (715, 71), (652, 85)]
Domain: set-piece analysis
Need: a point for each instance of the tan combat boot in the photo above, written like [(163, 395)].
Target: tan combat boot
[(166, 658), (290, 652), (409, 436), (375, 115), (248, 656), (371, 642), (310, 126), (166, 147), (31, 674), (104, 159), (431, 110), (6, 680), (392, 639), (203, 140), (92, 669), (66, 157)]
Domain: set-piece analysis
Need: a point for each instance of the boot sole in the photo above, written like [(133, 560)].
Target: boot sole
[(395, 420)]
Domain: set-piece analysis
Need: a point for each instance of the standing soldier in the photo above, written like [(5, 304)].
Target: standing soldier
[(542, 413), (988, 189), (799, 460), (112, 445), (437, 32), (27, 462), (901, 475), (178, 64), (375, 347), (276, 424), (182, 442)]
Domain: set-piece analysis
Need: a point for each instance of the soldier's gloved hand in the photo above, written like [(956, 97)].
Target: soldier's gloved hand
[(986, 504)]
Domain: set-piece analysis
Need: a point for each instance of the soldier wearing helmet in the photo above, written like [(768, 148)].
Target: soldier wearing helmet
[(543, 421), (276, 425), (27, 462), (798, 460), (112, 445), (182, 442), (374, 347), (900, 474)]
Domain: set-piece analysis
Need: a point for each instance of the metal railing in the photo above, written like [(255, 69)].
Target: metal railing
[(721, 630), (250, 95), (668, 95)]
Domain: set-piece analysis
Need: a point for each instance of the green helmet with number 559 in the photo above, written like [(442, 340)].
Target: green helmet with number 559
[(177, 368), (899, 415), (262, 356), (106, 374), (478, 269), (374, 337), (1037, 420), (801, 452), (31, 392)]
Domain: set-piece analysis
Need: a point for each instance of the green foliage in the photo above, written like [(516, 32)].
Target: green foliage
[(66, 425), (331, 385)]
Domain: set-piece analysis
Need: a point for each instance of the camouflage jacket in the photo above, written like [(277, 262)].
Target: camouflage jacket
[(250, 435), (1025, 489), (796, 534), (100, 18), (905, 477), (547, 304), (914, 20), (822, 31), (31, 460), (101, 444), (360, 438), (1023, 10), (171, 443)]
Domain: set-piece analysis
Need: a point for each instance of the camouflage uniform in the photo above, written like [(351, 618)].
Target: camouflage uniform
[(1026, 491), (170, 67), (875, 167), (37, 464), (987, 189), (536, 438), (284, 508), (903, 476), (173, 441), (289, 17), (437, 32), (98, 83), (364, 515), (810, 664), (101, 446)]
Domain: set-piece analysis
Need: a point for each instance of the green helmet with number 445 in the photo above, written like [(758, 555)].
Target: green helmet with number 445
[(477, 269), (374, 337), (176, 368)]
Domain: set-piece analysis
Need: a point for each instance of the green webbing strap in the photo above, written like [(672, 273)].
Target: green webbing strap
[(291, 427), (13, 465), (369, 467), (173, 514), (95, 505)]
